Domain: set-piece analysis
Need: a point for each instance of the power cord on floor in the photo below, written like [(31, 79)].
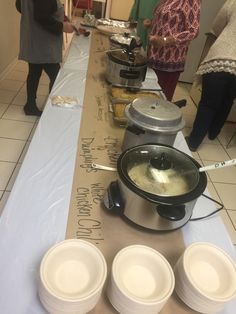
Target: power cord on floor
[(212, 213)]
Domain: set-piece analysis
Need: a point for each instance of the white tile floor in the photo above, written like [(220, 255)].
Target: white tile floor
[(16, 131), (221, 182), (15, 127)]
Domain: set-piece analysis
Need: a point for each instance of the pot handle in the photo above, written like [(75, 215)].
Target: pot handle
[(135, 129), (129, 74), (169, 212), (113, 200)]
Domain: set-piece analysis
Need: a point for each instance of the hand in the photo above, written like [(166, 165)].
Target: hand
[(147, 23), (157, 41), (67, 27)]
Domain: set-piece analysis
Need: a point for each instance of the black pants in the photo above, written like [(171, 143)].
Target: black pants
[(218, 93), (34, 74)]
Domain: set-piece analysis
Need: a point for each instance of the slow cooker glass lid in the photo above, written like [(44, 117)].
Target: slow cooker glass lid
[(159, 170)]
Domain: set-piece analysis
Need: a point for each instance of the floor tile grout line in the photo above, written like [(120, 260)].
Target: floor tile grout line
[(7, 161), (226, 183), (7, 119), (10, 90), (1, 199), (20, 70), (5, 111), (26, 143), (14, 139), (231, 221), (10, 179)]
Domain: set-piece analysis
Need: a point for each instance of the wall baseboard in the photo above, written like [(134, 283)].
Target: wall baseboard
[(8, 69)]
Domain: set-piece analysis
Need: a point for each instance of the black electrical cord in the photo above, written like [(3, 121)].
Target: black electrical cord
[(212, 213)]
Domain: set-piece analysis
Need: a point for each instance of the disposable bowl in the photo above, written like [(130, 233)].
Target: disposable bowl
[(210, 271), (141, 279), (72, 275)]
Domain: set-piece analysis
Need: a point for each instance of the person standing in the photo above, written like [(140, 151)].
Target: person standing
[(141, 10), (41, 41), (174, 25), (218, 73)]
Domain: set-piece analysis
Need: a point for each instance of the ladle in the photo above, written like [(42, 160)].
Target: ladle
[(220, 164), (101, 167)]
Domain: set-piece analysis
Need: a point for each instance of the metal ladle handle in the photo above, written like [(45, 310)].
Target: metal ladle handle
[(218, 165), (101, 167)]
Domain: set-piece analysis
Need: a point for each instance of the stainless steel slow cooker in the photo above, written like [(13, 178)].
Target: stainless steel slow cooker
[(126, 68), (157, 187), (152, 120)]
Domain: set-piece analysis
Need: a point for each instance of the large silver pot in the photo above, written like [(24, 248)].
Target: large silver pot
[(152, 120), (157, 187), (126, 68)]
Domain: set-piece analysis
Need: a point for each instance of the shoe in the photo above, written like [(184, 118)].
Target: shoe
[(180, 103), (191, 148), (32, 111)]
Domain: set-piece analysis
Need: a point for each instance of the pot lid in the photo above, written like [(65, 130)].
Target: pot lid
[(159, 170), (155, 114), (128, 58), (126, 40)]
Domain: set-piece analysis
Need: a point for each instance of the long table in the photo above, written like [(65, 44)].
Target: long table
[(35, 216)]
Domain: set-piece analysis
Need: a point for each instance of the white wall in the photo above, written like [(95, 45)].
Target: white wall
[(209, 9), (9, 33), (120, 9)]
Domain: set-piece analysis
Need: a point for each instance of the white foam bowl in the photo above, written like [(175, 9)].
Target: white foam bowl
[(210, 271), (205, 277), (72, 275), (142, 280)]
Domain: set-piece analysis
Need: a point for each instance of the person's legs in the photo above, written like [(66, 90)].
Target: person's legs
[(226, 105), (52, 70), (34, 74), (213, 93), (167, 82)]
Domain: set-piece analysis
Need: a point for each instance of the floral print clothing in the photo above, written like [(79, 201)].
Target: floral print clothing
[(180, 20)]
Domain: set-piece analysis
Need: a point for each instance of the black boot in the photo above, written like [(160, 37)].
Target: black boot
[(191, 148), (30, 110), (213, 135)]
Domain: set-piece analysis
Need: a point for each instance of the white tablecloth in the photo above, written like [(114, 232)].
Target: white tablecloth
[(35, 215)]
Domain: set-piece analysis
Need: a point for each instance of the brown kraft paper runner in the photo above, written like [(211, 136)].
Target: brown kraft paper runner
[(99, 142)]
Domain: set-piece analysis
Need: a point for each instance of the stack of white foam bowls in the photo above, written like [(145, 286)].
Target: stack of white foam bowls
[(205, 278), (141, 281), (72, 276)]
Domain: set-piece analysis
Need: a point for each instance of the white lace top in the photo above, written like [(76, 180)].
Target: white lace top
[(222, 54), (217, 66)]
